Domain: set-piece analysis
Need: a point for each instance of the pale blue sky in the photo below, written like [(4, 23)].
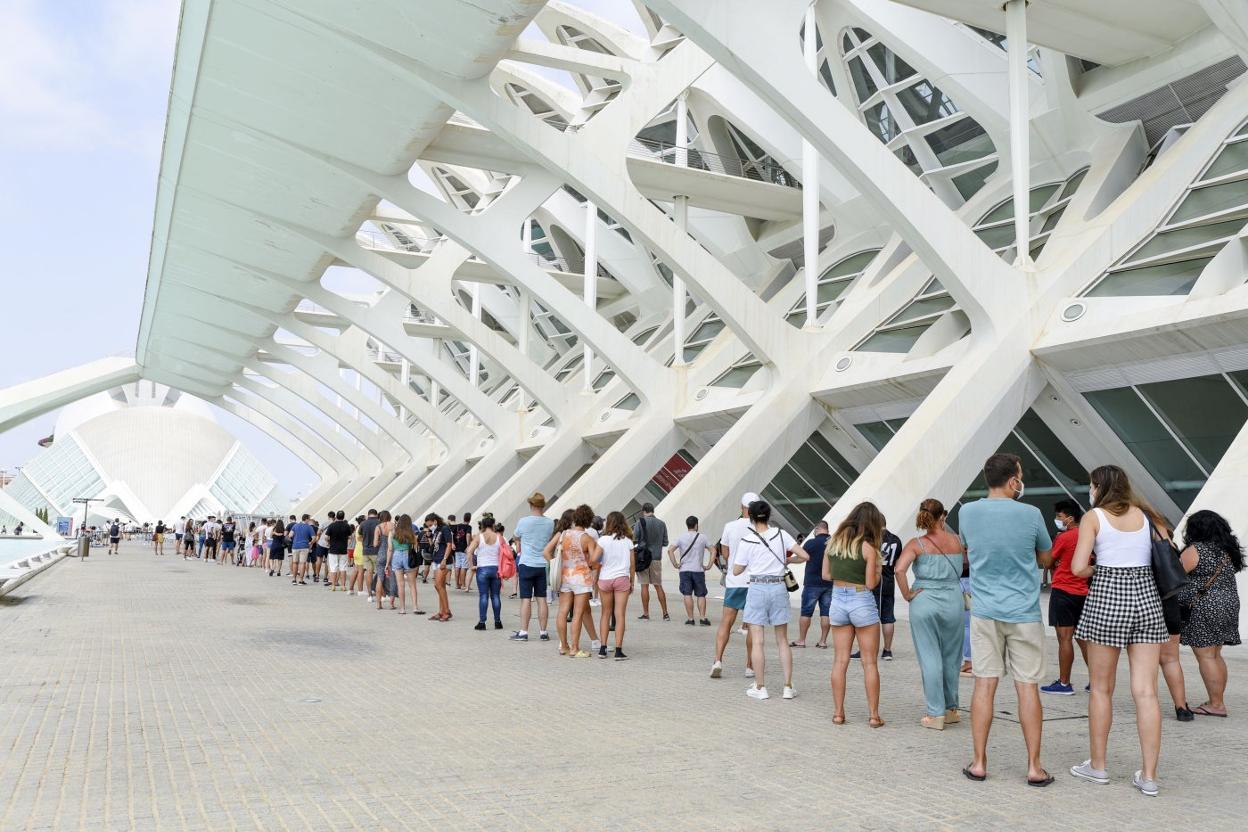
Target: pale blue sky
[(83, 91)]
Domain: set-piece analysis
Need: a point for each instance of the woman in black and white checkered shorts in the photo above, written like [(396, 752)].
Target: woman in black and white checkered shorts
[(1123, 610)]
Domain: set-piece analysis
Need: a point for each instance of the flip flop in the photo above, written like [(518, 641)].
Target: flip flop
[(1040, 784), (822, 646), (795, 644), (1204, 711), (978, 778)]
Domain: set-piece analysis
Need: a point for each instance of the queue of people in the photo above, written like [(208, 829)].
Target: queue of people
[(973, 594)]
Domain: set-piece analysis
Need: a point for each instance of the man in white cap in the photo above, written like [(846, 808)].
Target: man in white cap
[(735, 587)]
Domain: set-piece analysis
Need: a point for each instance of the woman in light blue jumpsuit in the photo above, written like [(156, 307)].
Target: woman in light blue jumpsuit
[(936, 610)]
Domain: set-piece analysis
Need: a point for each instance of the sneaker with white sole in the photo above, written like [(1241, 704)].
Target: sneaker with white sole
[(518, 635), (757, 693), (1146, 787), (1084, 771), (717, 670), (789, 693), (595, 644), (749, 673), (594, 602)]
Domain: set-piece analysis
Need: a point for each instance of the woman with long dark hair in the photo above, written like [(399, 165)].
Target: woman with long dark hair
[(401, 564), (613, 554), (1123, 610), (575, 575), (1212, 559), (277, 547), (851, 564)]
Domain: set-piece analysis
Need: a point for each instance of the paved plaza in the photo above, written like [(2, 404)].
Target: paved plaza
[(145, 693)]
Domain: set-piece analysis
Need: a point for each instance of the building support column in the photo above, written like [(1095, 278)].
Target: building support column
[(810, 186), (1020, 126), (682, 223), (591, 283), (522, 340), (474, 357)]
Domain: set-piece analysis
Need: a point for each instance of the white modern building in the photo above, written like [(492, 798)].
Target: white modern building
[(142, 452), (449, 253)]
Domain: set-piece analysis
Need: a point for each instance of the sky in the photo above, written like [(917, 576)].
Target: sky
[(83, 93)]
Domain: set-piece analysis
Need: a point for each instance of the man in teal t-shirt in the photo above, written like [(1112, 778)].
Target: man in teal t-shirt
[(1007, 544), (534, 531)]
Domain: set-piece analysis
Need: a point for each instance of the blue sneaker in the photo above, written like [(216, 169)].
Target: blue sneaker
[(1058, 688)]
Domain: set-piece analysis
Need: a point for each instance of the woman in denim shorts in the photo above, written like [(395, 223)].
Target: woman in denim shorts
[(852, 564), (765, 553)]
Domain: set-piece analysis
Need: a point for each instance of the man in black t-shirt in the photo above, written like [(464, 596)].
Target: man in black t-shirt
[(461, 534), (339, 533), (114, 537), (890, 548)]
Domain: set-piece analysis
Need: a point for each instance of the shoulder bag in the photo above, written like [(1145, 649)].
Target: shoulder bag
[(1185, 608), (957, 576), (641, 548), (790, 582), (1168, 570)]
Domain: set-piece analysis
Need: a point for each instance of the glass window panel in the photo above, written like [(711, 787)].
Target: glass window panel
[(880, 121), (907, 157), (1204, 411), (969, 183), (894, 340), (604, 378), (830, 291), (736, 376), (641, 337), (1054, 453), (1240, 377), (1184, 237), (919, 308), (893, 68), (1150, 442), (1040, 195), (629, 402), (1232, 159), (1001, 235), (832, 457), (825, 72), (1203, 201), (864, 86), (925, 102), (877, 433), (1166, 279), (962, 141), (798, 316), (1002, 212), (798, 493), (1073, 183), (862, 34), (852, 264), (707, 331), (1051, 220), (1243, 131)]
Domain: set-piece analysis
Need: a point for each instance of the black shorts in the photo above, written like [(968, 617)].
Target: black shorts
[(693, 583), (1065, 608), (884, 593), (532, 581), (316, 553)]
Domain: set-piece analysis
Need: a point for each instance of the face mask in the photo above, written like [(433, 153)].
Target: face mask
[(1061, 527), (1091, 496), (1021, 487)]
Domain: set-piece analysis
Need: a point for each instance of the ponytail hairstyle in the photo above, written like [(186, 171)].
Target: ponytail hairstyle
[(931, 512), (864, 524), (617, 526), (403, 531), (565, 521), (1115, 495)]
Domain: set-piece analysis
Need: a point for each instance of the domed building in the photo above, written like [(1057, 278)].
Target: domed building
[(147, 453)]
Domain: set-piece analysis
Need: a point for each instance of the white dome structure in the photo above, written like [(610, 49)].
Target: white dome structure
[(147, 453)]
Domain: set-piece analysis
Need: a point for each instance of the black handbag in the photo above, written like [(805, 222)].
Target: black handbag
[(1168, 570), (641, 548)]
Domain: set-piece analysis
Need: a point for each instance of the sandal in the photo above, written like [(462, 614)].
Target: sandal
[(1042, 782), (415, 612), (838, 719), (936, 723), (1203, 710), (821, 645), (970, 775), (875, 722), (797, 644)]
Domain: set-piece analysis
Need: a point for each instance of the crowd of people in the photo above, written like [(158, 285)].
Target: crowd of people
[(974, 594)]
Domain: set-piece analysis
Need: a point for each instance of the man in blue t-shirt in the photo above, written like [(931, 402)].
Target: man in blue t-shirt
[(301, 535), (1007, 545), (533, 531), (815, 590)]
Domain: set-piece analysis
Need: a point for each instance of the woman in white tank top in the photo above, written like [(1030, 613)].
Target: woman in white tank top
[(1123, 610), (485, 547)]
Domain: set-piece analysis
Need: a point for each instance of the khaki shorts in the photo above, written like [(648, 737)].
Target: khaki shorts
[(368, 562), (1000, 648), (299, 555), (652, 574)]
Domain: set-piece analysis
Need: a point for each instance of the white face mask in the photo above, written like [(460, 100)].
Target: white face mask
[(1091, 496), (1021, 488), (1061, 527)]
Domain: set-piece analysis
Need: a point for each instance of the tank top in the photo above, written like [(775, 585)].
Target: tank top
[(850, 570), (575, 568), (1117, 549), (933, 570), (487, 553)]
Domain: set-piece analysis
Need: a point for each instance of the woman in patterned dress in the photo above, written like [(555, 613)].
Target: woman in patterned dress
[(1212, 558), (575, 546)]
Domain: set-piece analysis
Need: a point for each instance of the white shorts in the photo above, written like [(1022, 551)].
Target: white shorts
[(338, 563)]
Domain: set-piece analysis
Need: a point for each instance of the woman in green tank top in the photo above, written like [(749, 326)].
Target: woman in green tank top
[(851, 563)]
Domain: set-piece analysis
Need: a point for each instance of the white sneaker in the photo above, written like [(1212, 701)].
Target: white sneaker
[(371, 599), (595, 644), (749, 673), (717, 670), (594, 602), (789, 693), (742, 631), (757, 693)]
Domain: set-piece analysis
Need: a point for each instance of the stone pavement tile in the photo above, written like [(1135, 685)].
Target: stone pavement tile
[(144, 693)]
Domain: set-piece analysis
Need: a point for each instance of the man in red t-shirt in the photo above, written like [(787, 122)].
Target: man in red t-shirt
[(1066, 596)]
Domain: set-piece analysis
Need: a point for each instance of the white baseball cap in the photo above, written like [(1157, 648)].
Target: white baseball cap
[(749, 497)]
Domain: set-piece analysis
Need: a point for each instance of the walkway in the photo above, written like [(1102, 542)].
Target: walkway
[(156, 694)]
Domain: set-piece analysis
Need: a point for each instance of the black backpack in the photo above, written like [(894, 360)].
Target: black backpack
[(641, 550)]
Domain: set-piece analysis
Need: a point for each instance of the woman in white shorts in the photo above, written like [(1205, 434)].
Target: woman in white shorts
[(765, 553), (575, 579)]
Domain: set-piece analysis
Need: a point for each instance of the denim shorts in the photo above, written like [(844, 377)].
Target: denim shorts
[(811, 595), (850, 606), (767, 604), (532, 581), (734, 597), (693, 583), (461, 560)]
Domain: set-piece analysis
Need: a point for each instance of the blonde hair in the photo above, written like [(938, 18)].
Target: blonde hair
[(864, 524)]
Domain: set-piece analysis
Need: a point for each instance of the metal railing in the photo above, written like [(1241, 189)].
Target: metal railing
[(669, 153)]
